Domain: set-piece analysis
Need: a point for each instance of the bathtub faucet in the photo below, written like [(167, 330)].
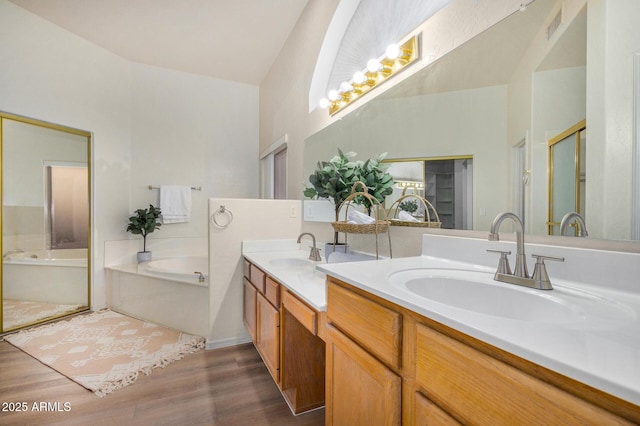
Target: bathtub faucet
[(315, 252), (10, 252), (200, 276)]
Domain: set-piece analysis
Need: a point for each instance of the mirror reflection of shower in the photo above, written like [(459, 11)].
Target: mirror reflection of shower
[(67, 216), (45, 221)]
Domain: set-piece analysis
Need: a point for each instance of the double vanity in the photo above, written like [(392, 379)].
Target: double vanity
[(436, 338)]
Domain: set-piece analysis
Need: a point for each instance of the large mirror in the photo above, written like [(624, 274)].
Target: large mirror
[(500, 98), (45, 221)]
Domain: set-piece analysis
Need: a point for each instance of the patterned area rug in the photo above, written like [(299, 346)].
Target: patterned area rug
[(20, 312), (104, 351)]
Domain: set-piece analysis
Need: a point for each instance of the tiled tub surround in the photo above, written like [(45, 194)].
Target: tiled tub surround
[(603, 352)]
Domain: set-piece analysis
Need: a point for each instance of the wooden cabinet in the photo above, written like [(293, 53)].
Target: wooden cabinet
[(268, 335), (285, 332), (303, 355), (261, 312), (360, 389), (485, 391), (388, 365), (249, 308), (428, 413), (372, 325)]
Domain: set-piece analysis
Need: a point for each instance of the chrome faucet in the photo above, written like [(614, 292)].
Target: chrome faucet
[(315, 252), (521, 260), (520, 276), (568, 219)]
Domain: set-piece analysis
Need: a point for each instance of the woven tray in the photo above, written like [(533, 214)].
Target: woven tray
[(354, 228)]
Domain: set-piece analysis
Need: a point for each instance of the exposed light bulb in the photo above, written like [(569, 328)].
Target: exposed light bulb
[(333, 95), (373, 65), (345, 87), (359, 77), (393, 51), (324, 103)]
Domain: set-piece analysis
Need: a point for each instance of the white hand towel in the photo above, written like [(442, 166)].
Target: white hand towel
[(175, 203), (406, 217), (359, 218)]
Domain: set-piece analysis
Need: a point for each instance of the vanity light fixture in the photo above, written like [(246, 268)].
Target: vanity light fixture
[(377, 71), (409, 184)]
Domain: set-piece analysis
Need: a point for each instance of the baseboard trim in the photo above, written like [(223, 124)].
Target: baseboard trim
[(217, 344)]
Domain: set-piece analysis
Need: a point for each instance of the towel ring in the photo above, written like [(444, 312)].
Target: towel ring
[(222, 211)]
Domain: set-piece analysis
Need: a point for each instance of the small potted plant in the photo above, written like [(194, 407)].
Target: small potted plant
[(409, 206), (144, 222)]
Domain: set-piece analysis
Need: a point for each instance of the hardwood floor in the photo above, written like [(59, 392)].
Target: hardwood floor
[(229, 386)]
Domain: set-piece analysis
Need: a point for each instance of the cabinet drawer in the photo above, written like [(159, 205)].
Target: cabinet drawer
[(246, 269), (256, 276), (482, 390), (272, 292), (306, 315), (372, 325)]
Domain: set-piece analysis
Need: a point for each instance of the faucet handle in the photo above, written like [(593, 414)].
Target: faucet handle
[(503, 263), (540, 275), (314, 254)]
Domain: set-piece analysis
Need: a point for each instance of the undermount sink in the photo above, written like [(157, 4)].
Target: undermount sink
[(477, 292)]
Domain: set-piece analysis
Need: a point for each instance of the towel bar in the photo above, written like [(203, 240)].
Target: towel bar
[(195, 188)]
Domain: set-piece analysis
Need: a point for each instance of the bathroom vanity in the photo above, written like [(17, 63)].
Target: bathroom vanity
[(434, 338), (388, 365), (284, 313)]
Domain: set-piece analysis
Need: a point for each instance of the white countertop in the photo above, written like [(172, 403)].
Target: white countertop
[(602, 353), (288, 264)]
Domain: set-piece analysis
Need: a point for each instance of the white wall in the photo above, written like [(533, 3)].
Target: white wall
[(191, 130), (149, 125), (52, 75), (613, 42), (558, 101), (252, 220)]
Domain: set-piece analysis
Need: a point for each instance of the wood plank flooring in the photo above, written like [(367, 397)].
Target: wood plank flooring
[(229, 386)]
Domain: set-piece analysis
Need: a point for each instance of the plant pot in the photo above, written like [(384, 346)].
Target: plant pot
[(144, 256), (330, 248)]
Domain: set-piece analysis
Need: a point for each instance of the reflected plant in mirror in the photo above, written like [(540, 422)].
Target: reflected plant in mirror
[(334, 180)]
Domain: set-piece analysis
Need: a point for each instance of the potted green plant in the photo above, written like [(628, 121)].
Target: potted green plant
[(373, 173), (144, 222), (335, 178)]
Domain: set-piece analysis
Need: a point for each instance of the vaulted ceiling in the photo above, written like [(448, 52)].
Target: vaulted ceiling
[(235, 40)]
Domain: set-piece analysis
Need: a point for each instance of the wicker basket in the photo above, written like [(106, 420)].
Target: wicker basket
[(379, 226), (426, 223)]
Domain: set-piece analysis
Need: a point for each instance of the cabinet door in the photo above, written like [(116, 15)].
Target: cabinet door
[(427, 413), (249, 314), (360, 389), (268, 338)]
